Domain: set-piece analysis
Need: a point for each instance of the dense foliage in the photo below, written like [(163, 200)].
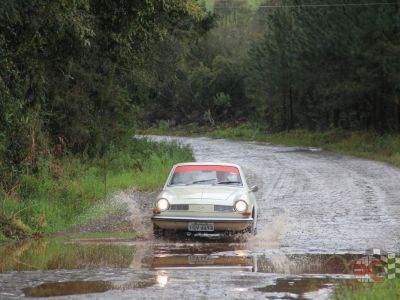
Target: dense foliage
[(328, 66), (71, 73), (287, 64)]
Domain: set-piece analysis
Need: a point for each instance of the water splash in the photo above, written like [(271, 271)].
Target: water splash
[(268, 236), (138, 215)]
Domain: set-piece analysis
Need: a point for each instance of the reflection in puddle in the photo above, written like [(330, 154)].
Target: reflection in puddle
[(67, 288), (59, 253), (300, 288), (307, 264), (242, 261), (167, 265), (162, 279), (201, 261), (82, 287)]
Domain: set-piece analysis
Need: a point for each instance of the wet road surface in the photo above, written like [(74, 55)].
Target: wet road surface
[(318, 201), (318, 213)]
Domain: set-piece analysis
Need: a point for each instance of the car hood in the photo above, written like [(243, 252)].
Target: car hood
[(201, 195)]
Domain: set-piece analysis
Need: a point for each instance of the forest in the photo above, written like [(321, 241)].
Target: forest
[(78, 77)]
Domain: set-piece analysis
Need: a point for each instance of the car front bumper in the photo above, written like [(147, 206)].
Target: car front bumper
[(220, 224)]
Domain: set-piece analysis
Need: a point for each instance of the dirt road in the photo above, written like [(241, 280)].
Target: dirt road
[(323, 202), (319, 213)]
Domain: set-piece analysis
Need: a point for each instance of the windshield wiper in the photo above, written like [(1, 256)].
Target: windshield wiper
[(199, 181), (228, 182)]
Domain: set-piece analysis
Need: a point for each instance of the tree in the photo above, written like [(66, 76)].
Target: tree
[(335, 64), (68, 70)]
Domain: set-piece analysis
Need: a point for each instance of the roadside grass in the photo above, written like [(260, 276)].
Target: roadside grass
[(388, 290), (64, 190), (2, 237), (364, 144)]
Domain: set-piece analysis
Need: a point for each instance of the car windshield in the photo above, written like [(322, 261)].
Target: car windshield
[(204, 174)]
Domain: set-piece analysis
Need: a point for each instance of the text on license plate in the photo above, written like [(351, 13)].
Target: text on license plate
[(201, 227), (200, 259)]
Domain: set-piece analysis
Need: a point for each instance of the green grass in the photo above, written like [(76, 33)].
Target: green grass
[(369, 145), (64, 192), (210, 4), (388, 290), (2, 237)]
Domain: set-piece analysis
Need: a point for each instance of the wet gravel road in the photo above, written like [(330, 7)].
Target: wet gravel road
[(318, 213), (323, 202)]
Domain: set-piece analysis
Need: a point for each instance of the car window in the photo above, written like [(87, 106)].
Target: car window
[(212, 175)]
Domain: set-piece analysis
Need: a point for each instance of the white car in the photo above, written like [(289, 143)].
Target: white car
[(205, 197)]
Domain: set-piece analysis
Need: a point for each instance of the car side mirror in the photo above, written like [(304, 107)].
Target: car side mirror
[(254, 188)]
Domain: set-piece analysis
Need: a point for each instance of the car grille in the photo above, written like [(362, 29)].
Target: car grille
[(223, 208), (217, 208), (179, 207)]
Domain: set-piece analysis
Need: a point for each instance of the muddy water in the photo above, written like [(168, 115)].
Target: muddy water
[(319, 212), (194, 268)]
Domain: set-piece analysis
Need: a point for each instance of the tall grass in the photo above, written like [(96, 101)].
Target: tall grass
[(388, 290), (63, 189)]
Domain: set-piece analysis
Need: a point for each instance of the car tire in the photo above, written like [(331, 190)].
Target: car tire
[(253, 229), (158, 232)]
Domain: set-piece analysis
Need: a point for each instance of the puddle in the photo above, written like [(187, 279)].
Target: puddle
[(61, 267), (300, 288), (60, 253), (67, 288), (301, 150), (53, 289)]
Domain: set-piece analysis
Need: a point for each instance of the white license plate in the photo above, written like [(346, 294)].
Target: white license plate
[(201, 227)]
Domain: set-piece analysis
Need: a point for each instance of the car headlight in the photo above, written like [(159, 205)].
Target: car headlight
[(240, 206), (162, 204)]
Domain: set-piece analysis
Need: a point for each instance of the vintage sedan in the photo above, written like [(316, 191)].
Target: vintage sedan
[(205, 198)]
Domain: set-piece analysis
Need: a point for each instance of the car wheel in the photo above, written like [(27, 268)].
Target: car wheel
[(158, 232), (253, 229)]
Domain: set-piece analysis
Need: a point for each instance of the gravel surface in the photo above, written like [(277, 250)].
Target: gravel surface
[(321, 201)]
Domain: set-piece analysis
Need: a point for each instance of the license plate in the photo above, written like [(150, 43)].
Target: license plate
[(201, 227), (200, 259)]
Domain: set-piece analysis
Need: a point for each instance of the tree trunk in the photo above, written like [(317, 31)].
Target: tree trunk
[(284, 111), (397, 113), (336, 114), (290, 108)]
